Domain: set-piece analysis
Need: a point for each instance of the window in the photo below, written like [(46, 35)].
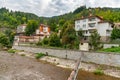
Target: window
[(92, 25), (78, 26), (86, 32), (81, 43), (84, 20), (92, 19), (84, 25), (108, 32), (78, 21), (45, 29), (85, 38)]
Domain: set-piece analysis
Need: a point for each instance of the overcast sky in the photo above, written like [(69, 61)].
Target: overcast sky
[(50, 8)]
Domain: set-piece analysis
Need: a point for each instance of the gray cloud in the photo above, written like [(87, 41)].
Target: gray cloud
[(54, 7)]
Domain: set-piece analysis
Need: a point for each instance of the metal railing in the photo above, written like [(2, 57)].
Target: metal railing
[(74, 73)]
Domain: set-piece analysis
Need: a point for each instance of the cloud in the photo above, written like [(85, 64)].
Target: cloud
[(54, 7)]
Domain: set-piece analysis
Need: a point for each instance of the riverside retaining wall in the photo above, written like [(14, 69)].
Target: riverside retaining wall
[(94, 57)]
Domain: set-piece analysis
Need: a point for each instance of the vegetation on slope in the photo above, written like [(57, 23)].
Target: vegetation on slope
[(113, 49), (11, 19)]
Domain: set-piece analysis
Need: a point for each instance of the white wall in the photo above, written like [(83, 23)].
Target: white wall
[(84, 46), (101, 27)]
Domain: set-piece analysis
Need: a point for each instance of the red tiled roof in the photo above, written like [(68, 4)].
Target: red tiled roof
[(26, 37), (39, 35)]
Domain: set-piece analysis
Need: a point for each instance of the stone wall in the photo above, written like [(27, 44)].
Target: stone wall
[(94, 57)]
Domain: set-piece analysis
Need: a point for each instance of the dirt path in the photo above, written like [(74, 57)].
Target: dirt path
[(18, 67)]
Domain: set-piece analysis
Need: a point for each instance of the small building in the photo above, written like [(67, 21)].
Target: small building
[(21, 29), (43, 31), (84, 46)]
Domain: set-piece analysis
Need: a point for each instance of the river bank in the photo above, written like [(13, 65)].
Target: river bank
[(70, 64), (26, 67)]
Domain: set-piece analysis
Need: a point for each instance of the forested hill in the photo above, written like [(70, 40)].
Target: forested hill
[(12, 19), (109, 14)]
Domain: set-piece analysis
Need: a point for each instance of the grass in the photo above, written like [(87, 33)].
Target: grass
[(39, 55), (12, 51), (98, 72), (113, 49)]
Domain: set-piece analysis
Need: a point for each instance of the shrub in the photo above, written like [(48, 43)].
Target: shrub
[(39, 43), (12, 51), (39, 55), (98, 72), (22, 54), (4, 41), (45, 41), (54, 40)]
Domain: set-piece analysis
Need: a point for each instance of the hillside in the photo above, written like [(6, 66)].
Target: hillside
[(12, 19), (109, 14)]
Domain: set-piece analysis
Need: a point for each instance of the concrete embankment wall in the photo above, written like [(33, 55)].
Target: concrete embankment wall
[(94, 57)]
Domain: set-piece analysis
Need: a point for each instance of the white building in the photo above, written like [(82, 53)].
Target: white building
[(91, 23), (21, 29)]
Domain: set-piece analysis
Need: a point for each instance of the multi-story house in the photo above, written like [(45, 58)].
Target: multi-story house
[(92, 23), (43, 31)]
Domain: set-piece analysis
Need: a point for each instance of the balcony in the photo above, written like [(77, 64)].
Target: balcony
[(92, 28), (92, 22)]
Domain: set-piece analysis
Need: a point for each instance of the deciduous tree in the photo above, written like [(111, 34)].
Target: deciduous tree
[(95, 40), (4, 41), (31, 27), (54, 40)]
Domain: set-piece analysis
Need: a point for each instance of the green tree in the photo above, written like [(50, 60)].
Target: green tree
[(10, 34), (4, 41), (65, 25), (115, 34), (31, 27), (45, 41), (95, 40), (54, 40), (69, 37), (23, 20), (80, 34)]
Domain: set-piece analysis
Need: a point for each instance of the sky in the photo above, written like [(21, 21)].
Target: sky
[(48, 8)]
